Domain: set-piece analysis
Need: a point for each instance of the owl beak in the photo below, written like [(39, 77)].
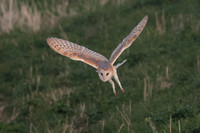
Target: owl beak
[(104, 80)]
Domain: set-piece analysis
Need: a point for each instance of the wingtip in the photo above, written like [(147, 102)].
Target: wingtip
[(146, 17), (49, 39)]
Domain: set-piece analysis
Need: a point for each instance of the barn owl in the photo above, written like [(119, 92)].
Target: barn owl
[(105, 68)]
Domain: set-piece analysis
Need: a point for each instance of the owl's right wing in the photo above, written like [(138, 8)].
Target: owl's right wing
[(76, 52), (128, 40)]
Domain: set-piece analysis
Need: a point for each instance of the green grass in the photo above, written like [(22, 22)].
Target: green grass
[(43, 91)]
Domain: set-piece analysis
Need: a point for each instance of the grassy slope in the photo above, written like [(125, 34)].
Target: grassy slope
[(51, 92)]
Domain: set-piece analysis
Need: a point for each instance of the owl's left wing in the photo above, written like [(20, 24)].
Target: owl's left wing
[(128, 40), (76, 52)]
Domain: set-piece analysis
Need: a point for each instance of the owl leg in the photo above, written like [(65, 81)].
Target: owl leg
[(113, 86), (117, 80)]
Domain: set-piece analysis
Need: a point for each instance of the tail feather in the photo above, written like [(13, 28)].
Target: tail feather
[(119, 64)]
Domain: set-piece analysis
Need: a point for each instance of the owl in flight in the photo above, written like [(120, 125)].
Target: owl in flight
[(105, 68)]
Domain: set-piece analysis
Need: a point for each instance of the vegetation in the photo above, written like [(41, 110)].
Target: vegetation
[(42, 91)]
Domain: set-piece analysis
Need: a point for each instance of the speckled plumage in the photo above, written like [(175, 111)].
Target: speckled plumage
[(104, 67), (76, 52)]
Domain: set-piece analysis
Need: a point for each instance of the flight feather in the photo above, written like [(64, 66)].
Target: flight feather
[(128, 40), (76, 52)]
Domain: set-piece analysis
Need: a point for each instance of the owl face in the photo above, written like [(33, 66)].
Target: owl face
[(104, 75)]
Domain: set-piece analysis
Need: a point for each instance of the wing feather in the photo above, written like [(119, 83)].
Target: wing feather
[(128, 40), (76, 52)]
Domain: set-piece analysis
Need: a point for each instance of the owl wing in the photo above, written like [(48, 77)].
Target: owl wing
[(76, 52), (128, 40)]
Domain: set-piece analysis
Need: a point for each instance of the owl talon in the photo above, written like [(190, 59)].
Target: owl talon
[(115, 93), (123, 91)]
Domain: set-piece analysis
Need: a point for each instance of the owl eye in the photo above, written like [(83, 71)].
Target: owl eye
[(107, 74), (101, 74)]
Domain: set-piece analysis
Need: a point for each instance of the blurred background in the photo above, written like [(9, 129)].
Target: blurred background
[(42, 91)]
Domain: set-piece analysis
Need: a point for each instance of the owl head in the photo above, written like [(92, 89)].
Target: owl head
[(105, 71), (104, 75)]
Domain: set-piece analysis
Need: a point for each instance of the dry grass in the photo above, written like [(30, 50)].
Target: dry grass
[(151, 124), (163, 82), (148, 87), (103, 125), (2, 107), (125, 121), (160, 23), (198, 63), (103, 2), (179, 126), (75, 125), (15, 15), (7, 118), (55, 95), (170, 124), (178, 23)]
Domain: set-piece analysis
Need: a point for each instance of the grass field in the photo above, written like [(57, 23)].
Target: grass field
[(42, 91)]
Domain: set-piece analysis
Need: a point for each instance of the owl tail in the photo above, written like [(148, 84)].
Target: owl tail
[(119, 64)]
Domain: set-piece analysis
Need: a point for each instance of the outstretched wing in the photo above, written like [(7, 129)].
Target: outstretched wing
[(128, 40), (76, 52)]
